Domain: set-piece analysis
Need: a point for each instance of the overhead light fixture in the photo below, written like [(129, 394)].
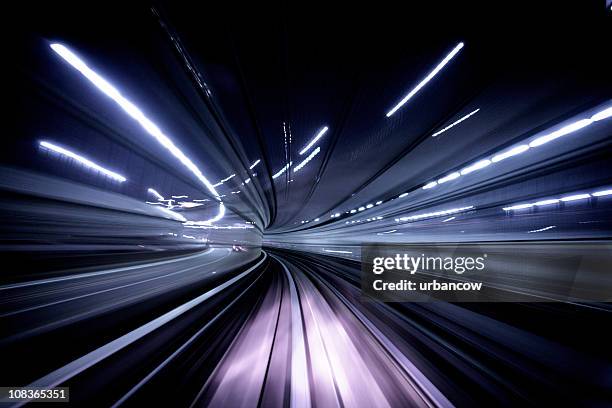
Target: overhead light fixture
[(307, 159), (429, 185), (254, 164), (542, 229), (546, 202), (84, 161), (567, 198), (439, 132), (436, 213), (509, 153), (602, 193), (428, 78), (281, 171), (575, 197), (601, 115), (156, 194), (476, 166), (449, 177), (135, 113), (565, 130), (313, 141), (518, 207)]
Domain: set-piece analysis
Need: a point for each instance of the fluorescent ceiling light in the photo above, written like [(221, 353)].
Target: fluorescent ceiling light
[(428, 78), (281, 171), (429, 185), (476, 166), (254, 164), (546, 202), (337, 252), (575, 197), (134, 112), (602, 193), (518, 207), (509, 153), (455, 123), (601, 115), (449, 177), (542, 229), (313, 141), (307, 159), (565, 130), (436, 213), (155, 193), (84, 161)]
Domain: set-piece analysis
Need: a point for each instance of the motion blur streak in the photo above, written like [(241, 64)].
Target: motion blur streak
[(189, 190)]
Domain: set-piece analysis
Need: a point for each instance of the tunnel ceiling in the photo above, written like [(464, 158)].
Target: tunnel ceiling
[(234, 91)]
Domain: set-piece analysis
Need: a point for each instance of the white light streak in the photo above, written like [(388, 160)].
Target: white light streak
[(281, 171), (402, 195), (565, 130), (313, 141), (546, 202), (337, 252), (509, 153), (575, 197), (134, 112), (254, 164), (449, 219), (180, 196), (84, 161), (568, 198), (429, 185), (449, 177), (228, 178), (601, 115), (436, 214), (518, 207), (602, 193), (455, 123), (369, 205), (379, 202), (428, 78), (542, 229), (307, 159), (156, 194), (188, 204), (476, 166)]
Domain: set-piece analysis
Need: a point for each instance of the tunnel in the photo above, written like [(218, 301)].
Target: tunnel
[(305, 204)]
